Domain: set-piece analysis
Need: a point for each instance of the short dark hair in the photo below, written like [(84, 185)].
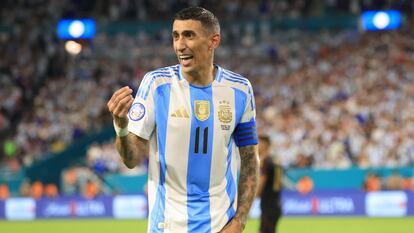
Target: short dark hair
[(207, 19)]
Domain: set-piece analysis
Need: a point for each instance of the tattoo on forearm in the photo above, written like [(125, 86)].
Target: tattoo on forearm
[(124, 150), (130, 150), (249, 176)]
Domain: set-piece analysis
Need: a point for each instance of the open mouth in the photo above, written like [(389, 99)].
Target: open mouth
[(185, 57)]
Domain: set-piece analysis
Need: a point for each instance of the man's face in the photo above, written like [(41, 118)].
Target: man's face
[(192, 44)]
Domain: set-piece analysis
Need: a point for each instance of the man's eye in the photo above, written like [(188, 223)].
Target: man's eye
[(189, 35)]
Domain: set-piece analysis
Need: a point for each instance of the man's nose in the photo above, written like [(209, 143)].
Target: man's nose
[(180, 44)]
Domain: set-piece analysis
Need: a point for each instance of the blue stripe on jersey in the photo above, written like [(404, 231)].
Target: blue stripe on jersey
[(234, 80), (164, 69), (235, 74), (236, 77), (154, 75), (233, 77), (199, 164), (162, 102), (240, 99), (230, 187), (143, 84), (161, 73)]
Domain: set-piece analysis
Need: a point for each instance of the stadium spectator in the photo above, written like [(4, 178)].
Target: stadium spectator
[(69, 182), (51, 191), (372, 182), (407, 183), (92, 189), (305, 185), (394, 181), (4, 191), (37, 190)]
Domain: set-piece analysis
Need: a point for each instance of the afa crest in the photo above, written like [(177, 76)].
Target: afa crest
[(202, 109), (224, 114)]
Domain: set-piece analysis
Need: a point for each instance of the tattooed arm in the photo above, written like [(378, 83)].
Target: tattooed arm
[(249, 176), (132, 149)]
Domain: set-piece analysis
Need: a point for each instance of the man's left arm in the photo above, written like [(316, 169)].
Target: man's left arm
[(245, 137), (248, 181)]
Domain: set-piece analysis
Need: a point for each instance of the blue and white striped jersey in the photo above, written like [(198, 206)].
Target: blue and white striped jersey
[(194, 134)]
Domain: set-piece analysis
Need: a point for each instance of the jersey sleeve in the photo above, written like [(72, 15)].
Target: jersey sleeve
[(141, 114), (245, 132)]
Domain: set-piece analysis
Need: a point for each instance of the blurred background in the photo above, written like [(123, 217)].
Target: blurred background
[(333, 84)]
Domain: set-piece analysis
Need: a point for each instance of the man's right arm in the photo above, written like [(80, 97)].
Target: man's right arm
[(132, 149)]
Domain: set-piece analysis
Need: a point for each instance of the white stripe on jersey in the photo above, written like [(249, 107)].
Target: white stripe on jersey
[(176, 177)]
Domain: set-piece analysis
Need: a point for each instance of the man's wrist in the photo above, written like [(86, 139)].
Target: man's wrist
[(121, 132)]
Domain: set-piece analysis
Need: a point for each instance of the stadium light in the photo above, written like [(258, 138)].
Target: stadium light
[(73, 47), (380, 20), (76, 29)]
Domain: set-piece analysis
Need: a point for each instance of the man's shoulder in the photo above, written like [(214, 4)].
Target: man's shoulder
[(161, 75), (235, 80), (234, 77), (167, 72), (157, 78)]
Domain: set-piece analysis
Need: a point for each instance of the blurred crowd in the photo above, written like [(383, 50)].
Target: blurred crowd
[(30, 55), (327, 99), (395, 181), (348, 100), (17, 11), (104, 158)]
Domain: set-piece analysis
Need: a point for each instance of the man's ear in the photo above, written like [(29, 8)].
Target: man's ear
[(215, 41)]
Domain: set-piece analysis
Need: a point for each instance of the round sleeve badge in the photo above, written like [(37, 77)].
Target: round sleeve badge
[(137, 112)]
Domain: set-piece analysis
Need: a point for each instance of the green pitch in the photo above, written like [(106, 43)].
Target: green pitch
[(287, 225)]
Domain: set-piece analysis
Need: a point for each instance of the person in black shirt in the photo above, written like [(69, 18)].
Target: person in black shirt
[(270, 187)]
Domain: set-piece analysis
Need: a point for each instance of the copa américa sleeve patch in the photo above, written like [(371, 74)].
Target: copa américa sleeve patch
[(137, 112)]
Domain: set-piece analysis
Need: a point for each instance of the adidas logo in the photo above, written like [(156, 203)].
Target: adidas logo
[(180, 113)]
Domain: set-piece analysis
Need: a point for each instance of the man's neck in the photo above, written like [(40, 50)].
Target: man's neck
[(202, 77)]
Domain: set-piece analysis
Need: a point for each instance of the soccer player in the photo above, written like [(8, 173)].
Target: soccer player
[(198, 120), (270, 186)]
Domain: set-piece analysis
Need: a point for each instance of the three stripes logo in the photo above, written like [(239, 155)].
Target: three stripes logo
[(180, 113)]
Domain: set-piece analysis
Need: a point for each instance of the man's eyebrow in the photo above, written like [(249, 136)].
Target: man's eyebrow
[(184, 31)]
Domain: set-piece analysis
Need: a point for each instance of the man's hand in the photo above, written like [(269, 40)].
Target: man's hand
[(234, 226), (119, 105)]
